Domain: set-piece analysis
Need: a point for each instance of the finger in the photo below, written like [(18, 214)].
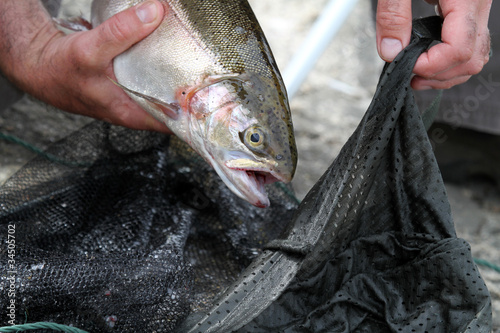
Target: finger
[(106, 101), (473, 67), (137, 118), (120, 109), (121, 31), (420, 83), (459, 37), (152, 124), (394, 23)]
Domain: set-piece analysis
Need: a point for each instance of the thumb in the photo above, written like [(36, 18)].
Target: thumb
[(393, 24), (121, 31)]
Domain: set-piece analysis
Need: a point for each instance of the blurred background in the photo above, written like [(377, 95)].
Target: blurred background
[(326, 109)]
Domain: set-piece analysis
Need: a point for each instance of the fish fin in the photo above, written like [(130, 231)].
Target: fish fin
[(171, 110), (73, 23)]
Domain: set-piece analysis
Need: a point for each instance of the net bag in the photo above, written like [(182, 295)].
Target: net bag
[(135, 233), (372, 247)]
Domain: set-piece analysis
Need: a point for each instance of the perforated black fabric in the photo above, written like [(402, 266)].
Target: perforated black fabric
[(138, 234), (133, 241), (372, 247)]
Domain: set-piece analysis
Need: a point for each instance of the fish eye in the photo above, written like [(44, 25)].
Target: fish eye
[(254, 137)]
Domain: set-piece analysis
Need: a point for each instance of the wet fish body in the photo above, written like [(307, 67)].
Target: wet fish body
[(208, 73)]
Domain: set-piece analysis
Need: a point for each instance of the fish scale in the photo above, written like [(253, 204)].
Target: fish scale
[(208, 73)]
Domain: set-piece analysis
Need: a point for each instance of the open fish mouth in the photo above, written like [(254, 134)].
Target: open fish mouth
[(262, 177), (247, 177), (249, 184)]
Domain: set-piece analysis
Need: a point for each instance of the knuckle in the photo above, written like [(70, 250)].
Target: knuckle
[(463, 54), (81, 57), (393, 15), (121, 112), (451, 83), (474, 67), (486, 58), (486, 46), (392, 20), (446, 85), (116, 30), (425, 72)]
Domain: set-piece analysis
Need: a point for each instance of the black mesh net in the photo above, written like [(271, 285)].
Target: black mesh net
[(132, 240), (135, 233)]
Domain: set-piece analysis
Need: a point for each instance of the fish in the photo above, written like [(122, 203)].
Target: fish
[(207, 72)]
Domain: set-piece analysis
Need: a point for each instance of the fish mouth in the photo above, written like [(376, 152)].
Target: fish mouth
[(247, 177), (249, 183)]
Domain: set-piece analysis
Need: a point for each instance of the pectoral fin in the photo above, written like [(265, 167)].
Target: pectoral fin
[(169, 109)]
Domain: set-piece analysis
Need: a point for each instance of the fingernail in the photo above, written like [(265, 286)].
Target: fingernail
[(389, 48), (147, 12)]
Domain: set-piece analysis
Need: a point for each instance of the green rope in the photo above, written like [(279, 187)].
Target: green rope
[(41, 325), (285, 190), (50, 157), (486, 263), (430, 113)]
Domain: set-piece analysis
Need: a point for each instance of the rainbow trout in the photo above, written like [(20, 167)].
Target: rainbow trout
[(208, 73)]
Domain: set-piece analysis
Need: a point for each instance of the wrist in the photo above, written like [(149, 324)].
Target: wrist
[(26, 30)]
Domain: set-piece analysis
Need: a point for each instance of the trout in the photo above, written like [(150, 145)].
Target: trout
[(208, 73)]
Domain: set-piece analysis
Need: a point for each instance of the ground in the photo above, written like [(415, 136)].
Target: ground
[(326, 110)]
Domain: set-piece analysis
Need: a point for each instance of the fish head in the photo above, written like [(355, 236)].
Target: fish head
[(242, 126)]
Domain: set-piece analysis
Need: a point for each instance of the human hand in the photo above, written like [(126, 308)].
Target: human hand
[(72, 72), (465, 35)]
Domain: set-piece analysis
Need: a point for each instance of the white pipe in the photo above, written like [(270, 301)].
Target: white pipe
[(318, 38)]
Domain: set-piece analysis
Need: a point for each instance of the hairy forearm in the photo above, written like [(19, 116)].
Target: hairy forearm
[(71, 72), (25, 29)]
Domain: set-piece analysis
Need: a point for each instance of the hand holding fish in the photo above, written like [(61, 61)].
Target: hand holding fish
[(465, 35), (202, 68), (72, 72)]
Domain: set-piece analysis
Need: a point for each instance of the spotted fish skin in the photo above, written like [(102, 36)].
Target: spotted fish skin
[(208, 73)]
